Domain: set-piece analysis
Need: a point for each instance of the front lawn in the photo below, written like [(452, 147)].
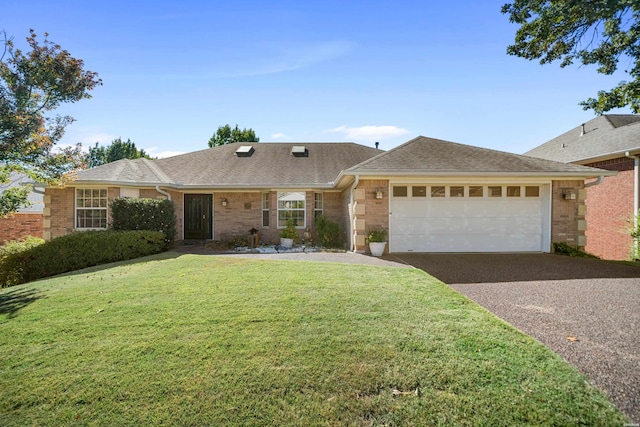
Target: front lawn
[(203, 340)]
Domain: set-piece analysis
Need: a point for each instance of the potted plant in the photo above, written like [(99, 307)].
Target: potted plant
[(289, 234), (377, 241)]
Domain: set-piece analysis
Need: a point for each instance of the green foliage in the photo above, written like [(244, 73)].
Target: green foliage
[(76, 251), (13, 199), (328, 232), (118, 149), (130, 213), (564, 249), (290, 231), (32, 84), (225, 135), (20, 245), (378, 235), (599, 32)]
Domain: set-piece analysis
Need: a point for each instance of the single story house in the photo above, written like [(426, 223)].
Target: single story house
[(610, 142), (431, 195), (27, 221)]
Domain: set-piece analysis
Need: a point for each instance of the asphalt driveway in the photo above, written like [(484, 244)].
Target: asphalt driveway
[(588, 311)]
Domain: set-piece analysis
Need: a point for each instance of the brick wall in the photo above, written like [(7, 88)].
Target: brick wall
[(21, 225), (609, 208), (370, 213), (568, 216)]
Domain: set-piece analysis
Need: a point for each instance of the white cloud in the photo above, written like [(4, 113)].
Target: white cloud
[(278, 136), (162, 154), (101, 138), (369, 133)]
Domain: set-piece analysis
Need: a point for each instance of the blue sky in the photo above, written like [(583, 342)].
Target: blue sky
[(307, 71)]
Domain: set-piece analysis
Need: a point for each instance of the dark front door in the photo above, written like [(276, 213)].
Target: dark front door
[(197, 213)]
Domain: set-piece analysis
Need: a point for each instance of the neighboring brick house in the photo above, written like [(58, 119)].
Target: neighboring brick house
[(28, 221), (610, 142), (431, 195)]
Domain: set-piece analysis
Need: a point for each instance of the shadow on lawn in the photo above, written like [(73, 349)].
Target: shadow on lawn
[(14, 300), (171, 254)]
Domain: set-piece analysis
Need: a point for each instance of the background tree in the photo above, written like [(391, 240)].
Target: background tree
[(118, 149), (226, 135), (33, 84), (601, 32)]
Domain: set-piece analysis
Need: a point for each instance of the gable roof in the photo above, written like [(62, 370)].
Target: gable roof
[(36, 198), (435, 157), (606, 136), (268, 165)]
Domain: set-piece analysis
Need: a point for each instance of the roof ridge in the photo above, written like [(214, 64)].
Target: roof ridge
[(157, 171)]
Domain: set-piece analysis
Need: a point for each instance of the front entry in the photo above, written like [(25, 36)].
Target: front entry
[(197, 213)]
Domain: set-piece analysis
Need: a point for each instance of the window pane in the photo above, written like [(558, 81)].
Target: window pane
[(475, 191), (265, 218), (456, 191), (532, 191), (437, 191), (265, 200), (419, 191), (495, 191), (513, 191), (400, 191), (318, 201)]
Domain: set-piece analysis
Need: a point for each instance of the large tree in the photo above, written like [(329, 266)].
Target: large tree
[(601, 32), (32, 85), (118, 149), (226, 135)]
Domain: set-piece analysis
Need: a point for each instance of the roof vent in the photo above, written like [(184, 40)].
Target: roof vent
[(245, 151), (582, 132), (299, 151)]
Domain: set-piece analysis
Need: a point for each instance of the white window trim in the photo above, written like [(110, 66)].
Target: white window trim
[(75, 209), (303, 209)]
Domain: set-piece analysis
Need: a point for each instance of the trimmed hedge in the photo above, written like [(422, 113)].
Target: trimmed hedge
[(20, 245), (130, 213), (77, 251)]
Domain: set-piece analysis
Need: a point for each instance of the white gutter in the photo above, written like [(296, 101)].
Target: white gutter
[(163, 192), (352, 240), (596, 182)]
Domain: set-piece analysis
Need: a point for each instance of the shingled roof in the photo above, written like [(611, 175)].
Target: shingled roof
[(268, 165), (606, 136), (435, 157)]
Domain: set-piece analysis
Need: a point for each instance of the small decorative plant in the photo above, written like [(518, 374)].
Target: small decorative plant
[(290, 232), (378, 235)]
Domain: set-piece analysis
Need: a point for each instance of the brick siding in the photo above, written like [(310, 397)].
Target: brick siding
[(21, 225), (567, 214), (376, 211), (609, 210)]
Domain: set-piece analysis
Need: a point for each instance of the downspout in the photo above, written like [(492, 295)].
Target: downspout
[(163, 192), (596, 182), (352, 214), (636, 169)]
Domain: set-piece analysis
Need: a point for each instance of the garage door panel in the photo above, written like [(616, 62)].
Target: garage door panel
[(466, 224)]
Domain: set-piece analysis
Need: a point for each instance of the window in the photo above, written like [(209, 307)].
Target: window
[(456, 191), (265, 210), (494, 191), (91, 208), (437, 191), (532, 191), (475, 191), (291, 205), (513, 191), (317, 205), (400, 191), (419, 191)]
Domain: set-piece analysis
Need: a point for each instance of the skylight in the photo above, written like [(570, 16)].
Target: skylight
[(245, 151), (299, 151)]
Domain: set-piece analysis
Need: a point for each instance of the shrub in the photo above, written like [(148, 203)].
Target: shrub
[(564, 249), (16, 246), (378, 235), (290, 231), (328, 232), (76, 251), (130, 213)]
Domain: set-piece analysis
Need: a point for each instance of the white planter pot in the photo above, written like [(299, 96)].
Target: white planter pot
[(377, 248), (286, 243)]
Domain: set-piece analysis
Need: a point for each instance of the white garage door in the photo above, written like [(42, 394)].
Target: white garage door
[(468, 218)]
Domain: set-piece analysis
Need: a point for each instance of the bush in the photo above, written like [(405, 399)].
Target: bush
[(564, 249), (16, 246), (76, 251), (328, 232), (130, 213)]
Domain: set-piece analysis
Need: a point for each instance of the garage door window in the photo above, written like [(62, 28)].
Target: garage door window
[(476, 191), (419, 191), (400, 191), (532, 191), (494, 191), (513, 191), (437, 191), (456, 191)]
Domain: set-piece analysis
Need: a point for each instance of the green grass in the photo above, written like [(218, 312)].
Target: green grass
[(205, 340)]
